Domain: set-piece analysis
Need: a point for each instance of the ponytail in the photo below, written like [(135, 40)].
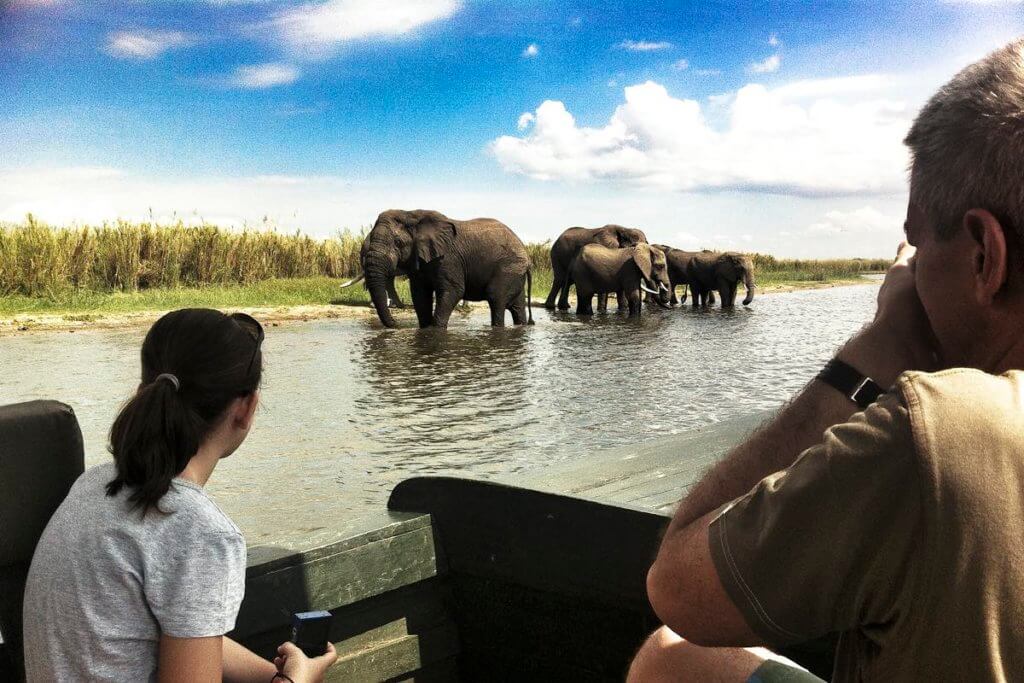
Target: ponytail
[(195, 362)]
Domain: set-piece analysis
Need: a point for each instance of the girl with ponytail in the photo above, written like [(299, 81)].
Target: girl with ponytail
[(139, 574)]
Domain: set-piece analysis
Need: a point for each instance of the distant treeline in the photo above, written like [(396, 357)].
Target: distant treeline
[(42, 260)]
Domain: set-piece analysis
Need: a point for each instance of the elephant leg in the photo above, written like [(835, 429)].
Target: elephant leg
[(556, 288), (709, 298), (635, 303), (446, 303), (497, 313), (682, 299), (584, 302), (518, 309), (621, 301), (602, 302), (422, 301), (396, 302), (563, 296)]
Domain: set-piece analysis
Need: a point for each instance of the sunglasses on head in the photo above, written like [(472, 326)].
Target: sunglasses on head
[(253, 327)]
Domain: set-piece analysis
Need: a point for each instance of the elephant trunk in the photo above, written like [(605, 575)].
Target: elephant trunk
[(376, 284), (748, 282)]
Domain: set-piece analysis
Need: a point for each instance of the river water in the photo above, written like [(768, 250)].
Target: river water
[(349, 409)]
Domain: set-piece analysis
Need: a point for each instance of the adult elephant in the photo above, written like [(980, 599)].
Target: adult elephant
[(599, 270), (711, 270), (568, 245), (393, 299), (447, 260)]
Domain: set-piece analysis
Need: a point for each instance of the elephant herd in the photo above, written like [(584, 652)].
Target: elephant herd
[(481, 259)]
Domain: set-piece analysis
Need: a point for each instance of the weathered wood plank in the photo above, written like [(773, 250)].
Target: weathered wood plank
[(397, 657), (345, 534), (341, 578)]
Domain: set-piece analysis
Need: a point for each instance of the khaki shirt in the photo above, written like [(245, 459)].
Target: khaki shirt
[(903, 531)]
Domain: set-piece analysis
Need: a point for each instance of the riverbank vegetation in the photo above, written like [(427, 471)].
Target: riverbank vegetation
[(123, 267)]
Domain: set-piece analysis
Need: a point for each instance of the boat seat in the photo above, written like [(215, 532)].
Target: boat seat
[(41, 455)]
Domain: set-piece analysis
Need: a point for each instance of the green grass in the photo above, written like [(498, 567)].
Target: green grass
[(87, 271)]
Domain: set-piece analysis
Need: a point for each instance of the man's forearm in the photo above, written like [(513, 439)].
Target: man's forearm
[(773, 447), (797, 427)]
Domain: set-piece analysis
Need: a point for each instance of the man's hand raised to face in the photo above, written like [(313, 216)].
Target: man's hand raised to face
[(900, 337)]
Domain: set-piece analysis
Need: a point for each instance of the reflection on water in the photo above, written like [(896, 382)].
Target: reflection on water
[(349, 408)]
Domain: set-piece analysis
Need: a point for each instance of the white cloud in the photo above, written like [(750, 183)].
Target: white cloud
[(783, 141), (643, 45), (681, 65), (531, 50), (774, 41), (766, 65), (858, 221), (524, 121), (316, 27), (256, 76), (144, 44)]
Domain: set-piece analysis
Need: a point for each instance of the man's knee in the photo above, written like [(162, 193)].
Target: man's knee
[(665, 656)]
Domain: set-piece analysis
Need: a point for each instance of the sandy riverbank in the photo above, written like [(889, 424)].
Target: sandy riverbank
[(277, 315)]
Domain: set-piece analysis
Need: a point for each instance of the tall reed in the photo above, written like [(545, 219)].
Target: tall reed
[(43, 261)]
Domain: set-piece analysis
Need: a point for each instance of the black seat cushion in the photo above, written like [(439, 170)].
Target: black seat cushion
[(41, 455)]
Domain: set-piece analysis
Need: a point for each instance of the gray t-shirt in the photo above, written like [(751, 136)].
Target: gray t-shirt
[(106, 582)]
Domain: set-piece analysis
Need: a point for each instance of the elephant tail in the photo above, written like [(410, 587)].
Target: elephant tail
[(529, 296)]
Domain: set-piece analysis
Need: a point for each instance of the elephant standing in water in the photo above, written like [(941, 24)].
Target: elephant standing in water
[(568, 245), (598, 269), (707, 271), (678, 261), (447, 260)]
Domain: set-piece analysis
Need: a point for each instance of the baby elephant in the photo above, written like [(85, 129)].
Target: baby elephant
[(600, 270)]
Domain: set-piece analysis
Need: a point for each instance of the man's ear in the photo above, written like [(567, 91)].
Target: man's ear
[(989, 264)]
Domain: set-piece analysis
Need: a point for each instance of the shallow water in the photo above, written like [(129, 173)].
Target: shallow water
[(349, 408)]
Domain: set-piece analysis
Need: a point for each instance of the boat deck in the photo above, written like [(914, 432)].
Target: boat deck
[(653, 475)]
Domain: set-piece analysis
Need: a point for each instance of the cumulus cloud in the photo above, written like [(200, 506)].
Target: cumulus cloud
[(859, 221), (524, 121), (774, 41), (788, 140), (766, 65), (317, 27), (644, 45), (681, 65), (531, 50), (256, 76), (144, 44)]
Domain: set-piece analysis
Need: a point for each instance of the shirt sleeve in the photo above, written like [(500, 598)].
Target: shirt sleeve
[(826, 544), (197, 589)]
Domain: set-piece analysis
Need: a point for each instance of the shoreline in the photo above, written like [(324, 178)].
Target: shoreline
[(274, 316)]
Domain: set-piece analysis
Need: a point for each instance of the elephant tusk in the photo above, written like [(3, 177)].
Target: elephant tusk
[(353, 281), (647, 289), (662, 287)]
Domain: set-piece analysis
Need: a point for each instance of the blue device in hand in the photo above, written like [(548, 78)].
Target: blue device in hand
[(311, 631)]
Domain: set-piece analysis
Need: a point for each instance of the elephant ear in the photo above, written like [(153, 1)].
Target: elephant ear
[(433, 237), (642, 258)]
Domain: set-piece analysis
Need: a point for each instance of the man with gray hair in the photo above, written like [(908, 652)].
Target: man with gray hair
[(902, 529)]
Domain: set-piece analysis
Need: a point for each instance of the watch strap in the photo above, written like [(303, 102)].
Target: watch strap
[(856, 386)]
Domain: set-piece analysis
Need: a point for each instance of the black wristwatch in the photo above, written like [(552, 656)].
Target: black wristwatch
[(857, 387)]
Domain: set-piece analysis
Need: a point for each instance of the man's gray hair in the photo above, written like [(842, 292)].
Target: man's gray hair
[(967, 144)]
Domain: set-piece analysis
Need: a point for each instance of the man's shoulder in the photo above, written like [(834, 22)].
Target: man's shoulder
[(963, 408), (977, 394)]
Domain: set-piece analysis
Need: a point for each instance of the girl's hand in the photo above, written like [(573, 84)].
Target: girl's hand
[(294, 664)]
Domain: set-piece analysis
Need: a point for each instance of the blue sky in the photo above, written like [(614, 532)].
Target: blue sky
[(757, 126)]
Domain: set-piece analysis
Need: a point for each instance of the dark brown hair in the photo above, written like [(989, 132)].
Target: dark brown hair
[(215, 359)]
